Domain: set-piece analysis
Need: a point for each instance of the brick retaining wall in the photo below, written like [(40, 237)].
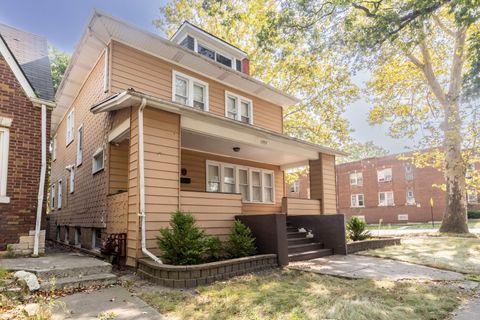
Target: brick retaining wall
[(371, 244), (203, 274)]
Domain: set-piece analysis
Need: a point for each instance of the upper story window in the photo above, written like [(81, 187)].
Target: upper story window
[(357, 201), (238, 108), (408, 172), (52, 197), (60, 194), (470, 170), (212, 54), (385, 198), (70, 127), (384, 175), (356, 179), (4, 146), (54, 148), (190, 91), (410, 197), (80, 146), (71, 178)]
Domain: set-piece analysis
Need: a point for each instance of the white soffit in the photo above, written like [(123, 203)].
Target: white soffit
[(103, 28)]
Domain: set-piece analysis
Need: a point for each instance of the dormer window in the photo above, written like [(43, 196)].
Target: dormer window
[(238, 108), (190, 91)]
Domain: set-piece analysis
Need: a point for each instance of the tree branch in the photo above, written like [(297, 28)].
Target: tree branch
[(442, 26)]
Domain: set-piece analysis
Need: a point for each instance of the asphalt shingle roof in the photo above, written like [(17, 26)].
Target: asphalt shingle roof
[(31, 52)]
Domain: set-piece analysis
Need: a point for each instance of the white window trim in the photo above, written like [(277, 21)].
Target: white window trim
[(4, 163), (70, 127), (190, 82), (356, 173), (402, 217), (384, 180), (410, 203), (356, 195), (71, 178), (52, 196), (54, 147), (59, 194), (100, 150), (386, 204), (221, 165), (239, 113), (79, 160)]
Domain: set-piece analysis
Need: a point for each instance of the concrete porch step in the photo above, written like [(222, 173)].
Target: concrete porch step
[(292, 235), (309, 255), (295, 241), (305, 247), (78, 281), (292, 229), (66, 272)]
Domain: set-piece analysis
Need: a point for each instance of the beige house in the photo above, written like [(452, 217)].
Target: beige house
[(145, 126)]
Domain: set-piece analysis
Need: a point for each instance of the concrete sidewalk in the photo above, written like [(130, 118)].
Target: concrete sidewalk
[(410, 232), (353, 266), (110, 303)]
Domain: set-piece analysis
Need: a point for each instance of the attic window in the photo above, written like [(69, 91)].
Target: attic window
[(206, 52), (224, 60), (188, 43)]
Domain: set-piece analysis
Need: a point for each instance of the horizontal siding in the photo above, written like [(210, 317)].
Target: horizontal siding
[(118, 167), (132, 68), (294, 206)]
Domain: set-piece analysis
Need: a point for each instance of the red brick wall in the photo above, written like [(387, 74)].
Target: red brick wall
[(422, 186), (17, 218), (304, 190)]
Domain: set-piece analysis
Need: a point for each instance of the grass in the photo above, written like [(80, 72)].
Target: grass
[(290, 294), (472, 223), (450, 253)]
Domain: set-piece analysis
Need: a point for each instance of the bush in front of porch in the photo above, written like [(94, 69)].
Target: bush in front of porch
[(184, 243)]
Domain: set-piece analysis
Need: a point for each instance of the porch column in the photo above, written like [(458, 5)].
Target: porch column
[(323, 185)]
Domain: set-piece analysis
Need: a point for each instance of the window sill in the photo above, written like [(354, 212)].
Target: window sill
[(386, 205), (253, 202), (97, 171), (4, 199), (357, 207)]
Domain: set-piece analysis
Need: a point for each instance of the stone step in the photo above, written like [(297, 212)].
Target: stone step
[(295, 241), (296, 234), (309, 255), (79, 281), (99, 267), (292, 229), (305, 247)]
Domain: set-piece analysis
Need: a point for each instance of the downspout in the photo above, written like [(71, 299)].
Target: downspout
[(41, 187), (141, 166)]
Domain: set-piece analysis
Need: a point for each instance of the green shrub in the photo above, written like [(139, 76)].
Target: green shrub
[(473, 214), (357, 229), (241, 242), (185, 244)]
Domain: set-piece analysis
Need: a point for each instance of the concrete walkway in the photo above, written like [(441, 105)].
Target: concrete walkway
[(470, 311), (410, 232), (110, 303), (353, 266)]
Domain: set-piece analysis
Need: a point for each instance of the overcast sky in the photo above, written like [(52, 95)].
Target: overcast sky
[(63, 22)]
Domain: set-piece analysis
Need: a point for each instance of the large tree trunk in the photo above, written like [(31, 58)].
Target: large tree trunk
[(455, 216)]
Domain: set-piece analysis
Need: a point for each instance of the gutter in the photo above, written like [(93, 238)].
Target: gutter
[(41, 187), (141, 166)]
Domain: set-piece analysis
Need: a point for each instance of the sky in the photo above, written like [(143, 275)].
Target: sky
[(62, 22)]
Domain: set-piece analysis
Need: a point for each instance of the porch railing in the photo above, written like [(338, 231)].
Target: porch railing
[(295, 206)]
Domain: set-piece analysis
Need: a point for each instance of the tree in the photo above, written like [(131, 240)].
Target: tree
[(292, 64), (359, 150), (58, 64), (421, 53)]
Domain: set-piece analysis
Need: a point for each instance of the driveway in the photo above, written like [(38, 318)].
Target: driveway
[(354, 266)]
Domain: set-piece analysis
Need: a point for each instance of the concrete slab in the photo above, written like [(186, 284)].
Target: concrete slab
[(470, 311), (110, 303), (353, 266), (58, 261)]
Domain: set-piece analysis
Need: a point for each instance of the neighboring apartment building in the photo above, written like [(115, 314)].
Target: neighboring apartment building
[(392, 190), (26, 95), (146, 126)]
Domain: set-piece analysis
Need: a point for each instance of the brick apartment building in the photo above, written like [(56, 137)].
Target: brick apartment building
[(389, 189)]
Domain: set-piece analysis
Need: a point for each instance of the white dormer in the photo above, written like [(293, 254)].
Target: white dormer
[(204, 43)]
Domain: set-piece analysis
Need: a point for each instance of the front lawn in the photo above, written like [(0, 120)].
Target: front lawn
[(472, 223), (290, 294), (450, 253)]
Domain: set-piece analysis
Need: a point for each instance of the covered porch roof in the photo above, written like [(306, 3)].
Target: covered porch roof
[(207, 132)]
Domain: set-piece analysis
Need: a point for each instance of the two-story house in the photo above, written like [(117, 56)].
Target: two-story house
[(146, 126)]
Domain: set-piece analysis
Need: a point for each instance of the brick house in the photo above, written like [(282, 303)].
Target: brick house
[(26, 95), (146, 125), (389, 189)]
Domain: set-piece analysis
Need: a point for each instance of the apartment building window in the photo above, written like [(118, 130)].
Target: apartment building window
[(408, 172), (470, 170), (98, 162), (384, 175), (4, 146), (238, 108), (385, 198), (60, 191), (356, 179), (295, 186), (80, 146), (54, 148), (410, 197), (254, 184), (190, 91), (71, 179), (70, 127), (52, 197), (472, 197), (357, 201)]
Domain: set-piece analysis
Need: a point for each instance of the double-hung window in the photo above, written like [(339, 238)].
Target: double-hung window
[(357, 201), (70, 127), (60, 194), (98, 162), (52, 197), (384, 175), (254, 184), (410, 197), (238, 108), (4, 146), (71, 178), (356, 179), (54, 148), (190, 91), (295, 186), (408, 172), (385, 199), (80, 146)]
